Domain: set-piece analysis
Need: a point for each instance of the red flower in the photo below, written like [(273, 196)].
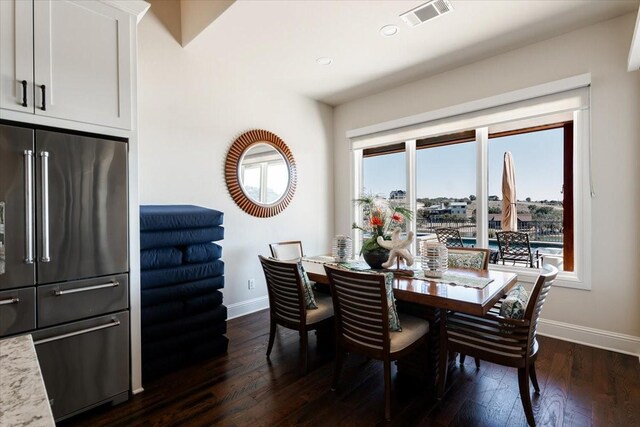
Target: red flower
[(376, 221), (397, 217)]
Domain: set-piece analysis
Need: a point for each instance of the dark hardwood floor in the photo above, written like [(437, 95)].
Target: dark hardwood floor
[(580, 386)]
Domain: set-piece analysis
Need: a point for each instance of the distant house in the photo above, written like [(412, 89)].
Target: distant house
[(398, 195), (524, 221), (458, 208)]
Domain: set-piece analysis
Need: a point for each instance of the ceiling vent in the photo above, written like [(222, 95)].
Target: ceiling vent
[(426, 12)]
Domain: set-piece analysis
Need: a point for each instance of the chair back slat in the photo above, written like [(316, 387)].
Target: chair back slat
[(284, 286), (360, 308), (538, 297), (287, 251), (450, 237)]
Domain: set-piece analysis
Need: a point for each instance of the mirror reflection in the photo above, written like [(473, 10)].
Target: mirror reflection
[(264, 174)]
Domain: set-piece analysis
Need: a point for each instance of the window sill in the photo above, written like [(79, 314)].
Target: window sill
[(528, 275)]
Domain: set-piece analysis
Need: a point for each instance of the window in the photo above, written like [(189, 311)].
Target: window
[(546, 127), (446, 184)]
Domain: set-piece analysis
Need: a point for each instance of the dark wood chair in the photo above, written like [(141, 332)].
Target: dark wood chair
[(500, 340), (362, 324), (287, 304), (485, 254), (286, 251), (514, 246), (450, 237)]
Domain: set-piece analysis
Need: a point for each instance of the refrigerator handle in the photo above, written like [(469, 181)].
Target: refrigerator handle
[(44, 155), (28, 206)]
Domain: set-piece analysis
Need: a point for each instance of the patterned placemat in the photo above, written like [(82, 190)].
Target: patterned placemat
[(456, 279)]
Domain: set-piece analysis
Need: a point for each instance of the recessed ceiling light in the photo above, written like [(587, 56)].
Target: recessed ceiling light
[(323, 60), (389, 30)]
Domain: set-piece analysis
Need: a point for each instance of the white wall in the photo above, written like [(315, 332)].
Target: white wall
[(613, 304), (191, 108)]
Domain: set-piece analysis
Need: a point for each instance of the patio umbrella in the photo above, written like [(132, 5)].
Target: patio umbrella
[(509, 210)]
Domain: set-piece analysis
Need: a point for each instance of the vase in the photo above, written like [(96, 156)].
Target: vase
[(375, 257)]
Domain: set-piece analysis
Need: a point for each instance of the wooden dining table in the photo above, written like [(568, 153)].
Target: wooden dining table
[(431, 293), (431, 299)]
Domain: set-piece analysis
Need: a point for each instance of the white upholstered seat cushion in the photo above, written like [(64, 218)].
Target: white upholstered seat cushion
[(413, 328), (324, 310)]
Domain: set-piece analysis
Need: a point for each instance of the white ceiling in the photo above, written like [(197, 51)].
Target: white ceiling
[(281, 40)]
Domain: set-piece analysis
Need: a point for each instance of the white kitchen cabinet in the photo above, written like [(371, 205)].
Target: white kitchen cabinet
[(80, 59)]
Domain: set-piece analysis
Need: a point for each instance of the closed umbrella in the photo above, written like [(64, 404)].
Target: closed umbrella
[(509, 209)]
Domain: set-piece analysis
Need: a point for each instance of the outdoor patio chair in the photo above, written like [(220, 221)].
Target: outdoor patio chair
[(450, 237), (514, 246)]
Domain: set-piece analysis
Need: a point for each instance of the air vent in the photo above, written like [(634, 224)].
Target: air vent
[(426, 12)]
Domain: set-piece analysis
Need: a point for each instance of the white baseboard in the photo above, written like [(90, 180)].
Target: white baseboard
[(621, 343), (247, 307), (138, 390)]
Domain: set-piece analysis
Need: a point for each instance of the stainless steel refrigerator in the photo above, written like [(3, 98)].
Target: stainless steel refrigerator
[(64, 260)]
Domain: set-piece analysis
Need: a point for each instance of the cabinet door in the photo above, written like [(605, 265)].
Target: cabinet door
[(82, 62), (16, 55)]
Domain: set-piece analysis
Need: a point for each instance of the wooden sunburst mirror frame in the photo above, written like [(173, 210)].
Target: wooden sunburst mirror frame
[(232, 172)]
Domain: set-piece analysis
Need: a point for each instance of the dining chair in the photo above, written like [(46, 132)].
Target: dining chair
[(449, 236), (288, 306), (471, 259), (285, 251), (361, 306), (499, 339), (514, 246)]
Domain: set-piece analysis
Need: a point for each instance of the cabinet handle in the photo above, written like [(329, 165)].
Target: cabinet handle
[(46, 256), (24, 93), (87, 288), (28, 206), (43, 88), (113, 323), (9, 301)]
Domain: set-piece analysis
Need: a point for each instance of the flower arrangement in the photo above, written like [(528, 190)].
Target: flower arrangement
[(381, 216)]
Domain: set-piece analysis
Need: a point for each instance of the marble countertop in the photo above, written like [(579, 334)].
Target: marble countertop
[(23, 397)]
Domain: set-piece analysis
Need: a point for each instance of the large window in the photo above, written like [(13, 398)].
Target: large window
[(446, 184), (543, 186)]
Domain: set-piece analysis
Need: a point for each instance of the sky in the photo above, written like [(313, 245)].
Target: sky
[(450, 171)]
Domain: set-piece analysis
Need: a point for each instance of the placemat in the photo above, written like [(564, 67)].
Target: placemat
[(456, 279)]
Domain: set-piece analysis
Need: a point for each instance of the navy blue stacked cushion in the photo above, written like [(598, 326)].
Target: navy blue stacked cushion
[(183, 325), (175, 217), (185, 273), (156, 314), (202, 253), (169, 238), (160, 258), (180, 291)]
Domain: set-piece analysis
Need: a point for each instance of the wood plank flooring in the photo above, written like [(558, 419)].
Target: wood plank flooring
[(580, 386)]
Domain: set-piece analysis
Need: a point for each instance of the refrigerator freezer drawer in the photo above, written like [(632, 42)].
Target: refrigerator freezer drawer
[(17, 311), (84, 363), (68, 301)]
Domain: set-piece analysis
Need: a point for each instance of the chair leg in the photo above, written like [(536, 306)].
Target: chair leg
[(387, 390), (443, 366), (477, 363), (525, 396), (304, 336), (534, 379), (340, 356), (272, 337), (462, 357)]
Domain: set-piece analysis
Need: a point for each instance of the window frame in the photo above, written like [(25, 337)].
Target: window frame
[(580, 277)]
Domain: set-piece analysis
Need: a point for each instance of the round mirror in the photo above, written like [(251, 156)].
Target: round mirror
[(260, 173)]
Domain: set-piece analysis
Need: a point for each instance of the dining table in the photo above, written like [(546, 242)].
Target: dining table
[(431, 298)]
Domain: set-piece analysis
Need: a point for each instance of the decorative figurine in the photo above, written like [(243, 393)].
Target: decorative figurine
[(398, 248)]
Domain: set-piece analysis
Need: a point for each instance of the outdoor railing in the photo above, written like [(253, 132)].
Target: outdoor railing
[(538, 230)]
